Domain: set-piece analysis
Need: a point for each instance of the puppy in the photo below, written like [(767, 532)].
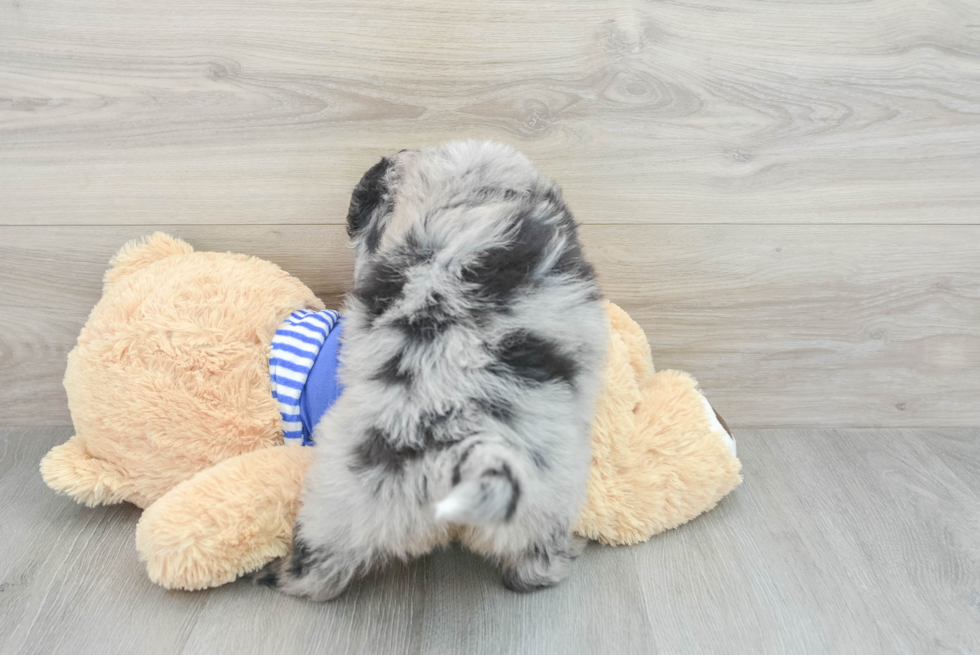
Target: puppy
[(471, 358)]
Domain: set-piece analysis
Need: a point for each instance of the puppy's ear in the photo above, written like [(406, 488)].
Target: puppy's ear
[(366, 198)]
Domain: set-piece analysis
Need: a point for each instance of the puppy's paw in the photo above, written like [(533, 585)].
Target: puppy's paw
[(297, 575), (515, 581), (268, 575)]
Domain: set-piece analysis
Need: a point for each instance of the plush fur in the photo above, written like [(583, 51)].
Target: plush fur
[(660, 456), (226, 521), (170, 374), (472, 356)]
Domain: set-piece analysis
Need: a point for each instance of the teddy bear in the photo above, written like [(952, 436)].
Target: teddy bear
[(173, 393)]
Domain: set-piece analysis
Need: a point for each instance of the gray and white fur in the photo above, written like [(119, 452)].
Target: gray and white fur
[(474, 340)]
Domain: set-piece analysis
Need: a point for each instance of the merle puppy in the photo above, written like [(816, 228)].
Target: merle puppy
[(471, 357)]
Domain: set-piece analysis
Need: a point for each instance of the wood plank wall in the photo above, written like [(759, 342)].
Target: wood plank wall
[(786, 195)]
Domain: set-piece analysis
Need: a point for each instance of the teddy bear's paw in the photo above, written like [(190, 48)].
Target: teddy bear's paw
[(718, 425)]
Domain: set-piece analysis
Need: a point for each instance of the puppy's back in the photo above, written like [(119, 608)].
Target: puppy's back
[(471, 358), (475, 332)]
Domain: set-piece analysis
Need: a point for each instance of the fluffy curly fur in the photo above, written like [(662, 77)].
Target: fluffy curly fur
[(471, 358), (170, 374)]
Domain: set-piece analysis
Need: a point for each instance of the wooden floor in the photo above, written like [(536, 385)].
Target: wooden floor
[(839, 541)]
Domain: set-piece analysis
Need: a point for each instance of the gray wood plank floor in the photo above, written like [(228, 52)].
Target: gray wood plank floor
[(846, 541)]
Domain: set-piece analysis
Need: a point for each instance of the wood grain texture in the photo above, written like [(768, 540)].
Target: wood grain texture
[(783, 194), (68, 572), (846, 541), (960, 452), (782, 325), (696, 111), (796, 326)]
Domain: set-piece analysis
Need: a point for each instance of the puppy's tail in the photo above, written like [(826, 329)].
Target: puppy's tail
[(487, 483)]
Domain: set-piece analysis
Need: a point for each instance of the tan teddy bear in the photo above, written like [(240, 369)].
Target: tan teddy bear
[(170, 393)]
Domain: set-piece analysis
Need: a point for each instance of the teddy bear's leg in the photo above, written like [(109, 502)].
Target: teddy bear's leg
[(225, 521)]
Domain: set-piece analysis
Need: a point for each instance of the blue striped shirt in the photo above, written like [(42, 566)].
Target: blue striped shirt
[(295, 349)]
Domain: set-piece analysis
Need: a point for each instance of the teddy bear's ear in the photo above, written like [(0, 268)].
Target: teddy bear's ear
[(140, 253), (635, 339)]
